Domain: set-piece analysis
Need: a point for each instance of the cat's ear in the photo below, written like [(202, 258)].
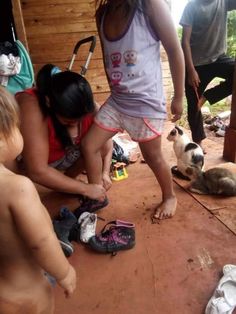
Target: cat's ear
[(173, 132), (180, 131)]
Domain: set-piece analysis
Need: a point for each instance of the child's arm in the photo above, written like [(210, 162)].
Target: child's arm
[(163, 25), (34, 225)]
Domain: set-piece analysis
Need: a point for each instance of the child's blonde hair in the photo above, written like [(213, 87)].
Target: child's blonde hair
[(9, 115)]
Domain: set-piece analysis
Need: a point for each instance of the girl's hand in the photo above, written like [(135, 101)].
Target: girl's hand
[(176, 108), (106, 179)]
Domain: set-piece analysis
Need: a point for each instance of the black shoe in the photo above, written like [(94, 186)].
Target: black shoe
[(74, 234), (63, 237), (116, 238), (63, 228), (89, 205)]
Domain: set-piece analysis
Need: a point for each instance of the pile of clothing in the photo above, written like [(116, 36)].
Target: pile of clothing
[(16, 69)]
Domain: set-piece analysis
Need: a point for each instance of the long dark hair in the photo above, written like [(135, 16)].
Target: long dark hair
[(129, 6), (130, 3), (69, 94)]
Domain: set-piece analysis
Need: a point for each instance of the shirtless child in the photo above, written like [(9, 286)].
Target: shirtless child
[(28, 244)]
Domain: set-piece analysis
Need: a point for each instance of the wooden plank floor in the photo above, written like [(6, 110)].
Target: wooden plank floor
[(175, 265)]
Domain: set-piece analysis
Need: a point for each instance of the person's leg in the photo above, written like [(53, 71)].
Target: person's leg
[(194, 114), (91, 146), (77, 168), (107, 124), (153, 156), (223, 68)]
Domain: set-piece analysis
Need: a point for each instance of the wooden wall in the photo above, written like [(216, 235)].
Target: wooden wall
[(51, 28)]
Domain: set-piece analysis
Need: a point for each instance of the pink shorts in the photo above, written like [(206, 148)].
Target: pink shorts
[(139, 129)]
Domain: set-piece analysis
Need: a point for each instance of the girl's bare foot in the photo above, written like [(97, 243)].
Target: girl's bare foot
[(166, 209)]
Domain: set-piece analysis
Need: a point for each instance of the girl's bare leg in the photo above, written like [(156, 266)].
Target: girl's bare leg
[(91, 146), (153, 156)]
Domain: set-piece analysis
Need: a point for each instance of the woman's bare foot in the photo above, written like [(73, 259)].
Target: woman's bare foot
[(201, 102), (166, 209)]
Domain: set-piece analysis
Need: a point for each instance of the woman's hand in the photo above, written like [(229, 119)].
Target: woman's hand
[(95, 191)]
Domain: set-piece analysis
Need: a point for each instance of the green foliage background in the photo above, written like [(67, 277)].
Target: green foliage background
[(231, 37)]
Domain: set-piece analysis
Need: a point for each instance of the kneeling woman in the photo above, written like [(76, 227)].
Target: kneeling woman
[(54, 118)]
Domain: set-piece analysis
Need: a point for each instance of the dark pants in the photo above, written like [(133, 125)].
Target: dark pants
[(222, 68)]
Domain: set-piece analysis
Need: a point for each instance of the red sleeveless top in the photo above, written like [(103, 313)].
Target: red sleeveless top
[(56, 149)]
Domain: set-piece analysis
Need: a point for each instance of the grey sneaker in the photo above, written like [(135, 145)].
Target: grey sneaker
[(62, 228)]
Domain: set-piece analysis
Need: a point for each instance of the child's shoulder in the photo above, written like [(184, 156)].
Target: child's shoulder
[(19, 184), (16, 191)]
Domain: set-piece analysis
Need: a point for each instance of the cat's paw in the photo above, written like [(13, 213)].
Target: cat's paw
[(194, 190)]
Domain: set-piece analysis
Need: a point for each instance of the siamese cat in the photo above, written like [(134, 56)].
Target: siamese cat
[(217, 181), (188, 153)]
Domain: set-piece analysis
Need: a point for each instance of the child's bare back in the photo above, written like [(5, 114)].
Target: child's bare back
[(23, 285), (28, 243)]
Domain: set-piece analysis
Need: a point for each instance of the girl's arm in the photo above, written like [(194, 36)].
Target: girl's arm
[(34, 129), (34, 226), (163, 25)]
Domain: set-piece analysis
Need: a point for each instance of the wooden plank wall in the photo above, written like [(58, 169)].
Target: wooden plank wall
[(53, 27)]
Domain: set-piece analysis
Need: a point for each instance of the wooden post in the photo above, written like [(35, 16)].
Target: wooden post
[(229, 152)]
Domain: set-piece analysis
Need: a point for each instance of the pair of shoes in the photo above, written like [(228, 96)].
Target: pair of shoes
[(87, 223), (63, 227), (223, 300), (120, 236), (90, 205)]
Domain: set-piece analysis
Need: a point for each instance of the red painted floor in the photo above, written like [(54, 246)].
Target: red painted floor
[(175, 265)]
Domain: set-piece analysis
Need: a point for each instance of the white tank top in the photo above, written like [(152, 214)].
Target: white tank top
[(132, 64)]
